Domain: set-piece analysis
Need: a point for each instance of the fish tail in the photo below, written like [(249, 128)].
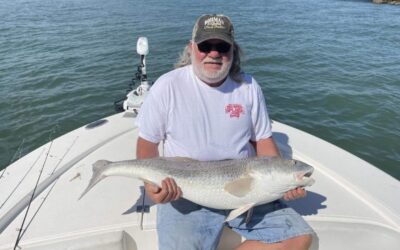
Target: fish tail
[(98, 169)]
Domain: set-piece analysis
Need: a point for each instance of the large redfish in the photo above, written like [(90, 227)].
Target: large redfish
[(227, 184)]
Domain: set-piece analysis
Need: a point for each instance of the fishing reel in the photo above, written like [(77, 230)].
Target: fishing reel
[(135, 96)]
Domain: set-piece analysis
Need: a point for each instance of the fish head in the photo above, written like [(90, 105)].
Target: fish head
[(302, 173), (282, 174)]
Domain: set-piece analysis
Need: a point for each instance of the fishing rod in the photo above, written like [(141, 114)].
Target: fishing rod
[(51, 188), (19, 236), (10, 215), (32, 197), (19, 152), (22, 179)]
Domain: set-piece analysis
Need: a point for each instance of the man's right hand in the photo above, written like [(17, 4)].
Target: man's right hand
[(168, 191)]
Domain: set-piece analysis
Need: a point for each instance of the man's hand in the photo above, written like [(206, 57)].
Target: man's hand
[(267, 147), (294, 194), (169, 191)]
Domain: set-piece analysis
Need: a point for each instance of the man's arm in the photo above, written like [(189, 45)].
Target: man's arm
[(168, 191), (267, 147), (146, 149)]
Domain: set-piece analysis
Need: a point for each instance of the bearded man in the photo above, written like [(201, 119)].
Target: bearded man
[(207, 109)]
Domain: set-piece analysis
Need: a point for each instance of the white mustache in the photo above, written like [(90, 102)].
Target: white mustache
[(212, 61)]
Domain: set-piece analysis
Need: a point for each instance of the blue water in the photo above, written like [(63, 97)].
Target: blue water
[(330, 68)]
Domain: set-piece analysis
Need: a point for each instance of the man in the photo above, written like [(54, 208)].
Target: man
[(206, 109)]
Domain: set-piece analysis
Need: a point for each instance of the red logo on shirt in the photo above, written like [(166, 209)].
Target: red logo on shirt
[(234, 110)]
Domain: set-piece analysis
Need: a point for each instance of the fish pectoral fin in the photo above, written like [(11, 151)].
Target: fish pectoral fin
[(238, 211), (239, 187)]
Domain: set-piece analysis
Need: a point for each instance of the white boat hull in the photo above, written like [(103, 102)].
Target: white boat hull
[(352, 205)]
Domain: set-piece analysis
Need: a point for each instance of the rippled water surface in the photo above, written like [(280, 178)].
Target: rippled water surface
[(330, 68)]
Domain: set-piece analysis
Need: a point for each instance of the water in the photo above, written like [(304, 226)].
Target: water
[(330, 68)]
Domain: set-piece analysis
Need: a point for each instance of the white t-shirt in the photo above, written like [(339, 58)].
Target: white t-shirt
[(201, 122)]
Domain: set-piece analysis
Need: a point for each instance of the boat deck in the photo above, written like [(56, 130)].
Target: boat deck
[(351, 205)]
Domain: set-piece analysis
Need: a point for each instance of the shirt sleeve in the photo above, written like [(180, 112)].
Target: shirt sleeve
[(153, 115), (260, 118)]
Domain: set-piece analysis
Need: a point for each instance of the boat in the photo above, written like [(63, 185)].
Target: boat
[(352, 205)]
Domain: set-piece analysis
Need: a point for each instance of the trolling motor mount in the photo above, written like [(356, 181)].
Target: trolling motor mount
[(136, 96)]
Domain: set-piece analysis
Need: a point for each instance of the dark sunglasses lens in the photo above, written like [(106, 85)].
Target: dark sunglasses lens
[(206, 47), (223, 47)]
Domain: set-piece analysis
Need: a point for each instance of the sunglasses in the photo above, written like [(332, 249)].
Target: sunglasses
[(206, 47)]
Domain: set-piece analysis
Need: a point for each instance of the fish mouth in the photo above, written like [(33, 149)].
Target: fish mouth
[(309, 173), (303, 175)]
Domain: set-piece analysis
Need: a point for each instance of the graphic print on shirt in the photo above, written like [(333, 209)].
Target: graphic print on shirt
[(234, 110)]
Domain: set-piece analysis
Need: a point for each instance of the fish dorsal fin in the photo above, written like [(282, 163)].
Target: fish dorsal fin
[(181, 159), (238, 211), (239, 187)]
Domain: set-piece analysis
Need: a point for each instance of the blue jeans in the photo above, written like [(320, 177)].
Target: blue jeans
[(183, 225)]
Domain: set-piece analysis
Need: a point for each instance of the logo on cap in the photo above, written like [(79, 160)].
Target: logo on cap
[(214, 23)]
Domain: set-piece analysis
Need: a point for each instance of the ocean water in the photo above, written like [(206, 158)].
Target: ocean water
[(330, 68)]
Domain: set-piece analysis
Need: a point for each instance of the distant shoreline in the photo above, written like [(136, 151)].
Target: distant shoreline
[(387, 1)]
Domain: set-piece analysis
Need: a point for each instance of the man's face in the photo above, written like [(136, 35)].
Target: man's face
[(212, 60)]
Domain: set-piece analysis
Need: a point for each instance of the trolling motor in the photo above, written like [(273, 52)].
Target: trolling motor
[(135, 97)]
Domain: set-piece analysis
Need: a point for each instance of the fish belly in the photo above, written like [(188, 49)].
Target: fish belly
[(216, 197)]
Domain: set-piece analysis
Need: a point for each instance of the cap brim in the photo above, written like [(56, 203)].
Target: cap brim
[(222, 37)]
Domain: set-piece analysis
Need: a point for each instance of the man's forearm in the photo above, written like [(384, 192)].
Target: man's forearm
[(266, 147)]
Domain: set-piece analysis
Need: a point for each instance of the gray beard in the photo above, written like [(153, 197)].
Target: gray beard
[(211, 77)]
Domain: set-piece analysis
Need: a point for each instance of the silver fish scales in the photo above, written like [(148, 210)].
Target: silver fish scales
[(227, 184)]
